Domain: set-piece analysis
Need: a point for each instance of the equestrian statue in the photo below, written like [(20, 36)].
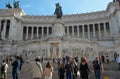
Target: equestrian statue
[(58, 11)]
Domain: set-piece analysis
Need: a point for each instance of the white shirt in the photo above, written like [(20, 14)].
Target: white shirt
[(118, 59), (6, 67)]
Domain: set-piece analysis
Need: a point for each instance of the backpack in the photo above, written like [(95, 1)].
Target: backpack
[(97, 65), (2, 68)]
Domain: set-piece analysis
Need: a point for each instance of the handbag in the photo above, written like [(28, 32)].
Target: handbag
[(78, 73)]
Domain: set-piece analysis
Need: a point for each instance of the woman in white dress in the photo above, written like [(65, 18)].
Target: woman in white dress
[(48, 71)]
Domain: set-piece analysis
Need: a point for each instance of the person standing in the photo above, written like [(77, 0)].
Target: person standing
[(4, 68), (61, 71), (48, 71), (21, 62), (16, 68), (98, 68), (107, 59), (84, 69), (69, 70), (36, 69), (75, 69), (118, 61), (115, 56), (103, 58)]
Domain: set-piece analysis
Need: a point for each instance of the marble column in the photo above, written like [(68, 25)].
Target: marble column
[(72, 30), (32, 33), (67, 30), (27, 33), (60, 49), (78, 31), (0, 29), (0, 26), (99, 30), (4, 29), (110, 29), (47, 31), (94, 31), (104, 29), (48, 49), (37, 32), (83, 30), (42, 31), (88, 31)]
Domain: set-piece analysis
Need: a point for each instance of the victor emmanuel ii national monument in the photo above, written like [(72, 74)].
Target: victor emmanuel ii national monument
[(87, 34)]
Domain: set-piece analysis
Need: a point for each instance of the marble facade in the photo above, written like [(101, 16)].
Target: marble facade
[(87, 34)]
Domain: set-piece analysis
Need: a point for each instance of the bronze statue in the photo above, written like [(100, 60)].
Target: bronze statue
[(16, 4), (8, 5), (116, 0), (119, 2), (58, 11)]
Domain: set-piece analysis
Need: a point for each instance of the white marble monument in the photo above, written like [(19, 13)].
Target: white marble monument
[(87, 34)]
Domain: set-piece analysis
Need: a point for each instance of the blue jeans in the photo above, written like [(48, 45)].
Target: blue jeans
[(15, 74), (68, 75), (97, 74), (118, 66)]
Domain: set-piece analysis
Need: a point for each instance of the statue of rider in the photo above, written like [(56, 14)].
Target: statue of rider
[(8, 5), (58, 11), (16, 4)]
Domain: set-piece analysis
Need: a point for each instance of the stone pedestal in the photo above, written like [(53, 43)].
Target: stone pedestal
[(55, 50), (58, 28)]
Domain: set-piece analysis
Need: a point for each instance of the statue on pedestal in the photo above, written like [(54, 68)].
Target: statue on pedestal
[(16, 4), (58, 11), (114, 0), (8, 5)]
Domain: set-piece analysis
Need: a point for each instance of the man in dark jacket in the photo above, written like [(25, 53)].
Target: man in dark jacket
[(98, 68), (16, 68), (69, 70)]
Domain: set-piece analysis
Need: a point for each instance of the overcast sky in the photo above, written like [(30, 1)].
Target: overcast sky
[(47, 7)]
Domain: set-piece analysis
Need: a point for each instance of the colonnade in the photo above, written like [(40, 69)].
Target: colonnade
[(35, 32), (97, 30), (4, 29)]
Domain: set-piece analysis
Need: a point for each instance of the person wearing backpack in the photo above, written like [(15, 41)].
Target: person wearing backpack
[(36, 69), (4, 68), (98, 68)]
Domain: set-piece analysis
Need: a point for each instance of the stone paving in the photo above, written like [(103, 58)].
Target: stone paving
[(110, 71)]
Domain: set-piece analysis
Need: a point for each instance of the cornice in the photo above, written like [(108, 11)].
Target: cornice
[(101, 15)]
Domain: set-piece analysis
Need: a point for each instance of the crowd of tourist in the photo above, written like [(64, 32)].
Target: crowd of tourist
[(68, 67), (16, 67)]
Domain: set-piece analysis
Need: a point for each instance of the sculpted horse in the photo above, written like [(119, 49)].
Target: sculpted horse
[(16, 4), (8, 5), (58, 11)]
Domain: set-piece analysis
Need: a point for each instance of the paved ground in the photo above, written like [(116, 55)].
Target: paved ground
[(110, 71)]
